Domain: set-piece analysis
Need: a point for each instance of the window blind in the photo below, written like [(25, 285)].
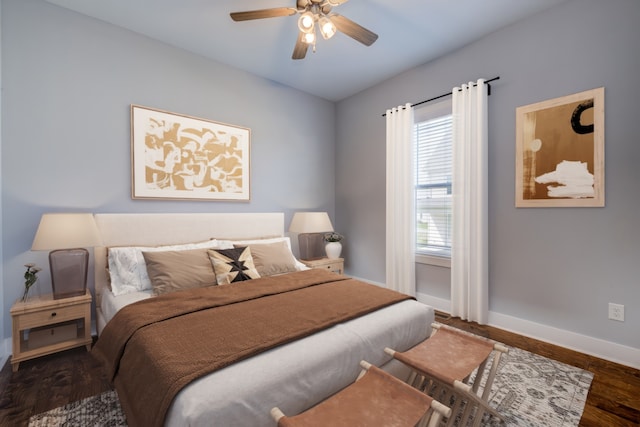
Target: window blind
[(433, 164)]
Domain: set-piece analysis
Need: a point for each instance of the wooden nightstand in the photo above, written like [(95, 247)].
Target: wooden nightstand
[(43, 326), (333, 265)]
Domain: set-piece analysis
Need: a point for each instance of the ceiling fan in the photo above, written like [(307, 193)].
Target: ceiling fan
[(313, 13)]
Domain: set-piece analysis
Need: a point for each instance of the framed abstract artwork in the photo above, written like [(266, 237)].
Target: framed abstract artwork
[(174, 156), (560, 152)]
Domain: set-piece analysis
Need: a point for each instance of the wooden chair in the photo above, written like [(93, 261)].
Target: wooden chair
[(376, 398), (442, 366)]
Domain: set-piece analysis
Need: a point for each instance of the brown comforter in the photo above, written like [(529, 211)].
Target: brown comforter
[(154, 348)]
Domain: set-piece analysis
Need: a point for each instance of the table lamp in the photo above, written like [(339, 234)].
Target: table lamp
[(67, 235), (311, 227)]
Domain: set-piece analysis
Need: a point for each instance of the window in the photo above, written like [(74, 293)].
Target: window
[(433, 135)]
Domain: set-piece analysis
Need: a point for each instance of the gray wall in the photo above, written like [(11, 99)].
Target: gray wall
[(68, 82), (557, 267)]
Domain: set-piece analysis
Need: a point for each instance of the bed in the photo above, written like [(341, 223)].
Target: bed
[(293, 375)]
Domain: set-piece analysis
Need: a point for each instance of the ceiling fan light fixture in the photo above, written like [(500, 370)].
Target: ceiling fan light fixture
[(309, 38), (306, 22), (327, 28), (312, 14)]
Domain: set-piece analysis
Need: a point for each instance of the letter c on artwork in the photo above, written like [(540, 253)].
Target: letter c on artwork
[(576, 117)]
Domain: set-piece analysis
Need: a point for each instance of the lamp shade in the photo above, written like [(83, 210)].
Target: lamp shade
[(306, 22), (66, 231), (310, 222), (327, 28), (309, 38)]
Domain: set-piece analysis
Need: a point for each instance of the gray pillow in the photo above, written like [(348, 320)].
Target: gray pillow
[(171, 271), (272, 258)]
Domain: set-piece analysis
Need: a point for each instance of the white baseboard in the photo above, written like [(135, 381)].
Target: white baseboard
[(607, 350), (439, 304)]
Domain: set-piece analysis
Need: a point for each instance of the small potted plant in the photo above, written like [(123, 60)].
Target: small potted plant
[(30, 277), (333, 246)]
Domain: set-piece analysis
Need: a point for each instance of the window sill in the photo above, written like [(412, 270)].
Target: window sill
[(433, 260)]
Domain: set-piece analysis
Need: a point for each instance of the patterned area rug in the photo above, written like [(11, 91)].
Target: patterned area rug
[(529, 390), (102, 410)]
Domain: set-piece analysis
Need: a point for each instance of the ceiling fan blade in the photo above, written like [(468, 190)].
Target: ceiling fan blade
[(354, 30), (300, 49), (263, 13), (336, 2)]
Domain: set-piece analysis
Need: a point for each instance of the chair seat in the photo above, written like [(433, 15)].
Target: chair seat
[(448, 355), (375, 399), (443, 366)]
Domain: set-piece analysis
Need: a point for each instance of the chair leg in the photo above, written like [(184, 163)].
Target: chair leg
[(276, 414), (500, 350), (438, 411), (467, 392)]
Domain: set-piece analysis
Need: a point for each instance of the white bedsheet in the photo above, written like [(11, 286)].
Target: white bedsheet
[(294, 376), (111, 304)]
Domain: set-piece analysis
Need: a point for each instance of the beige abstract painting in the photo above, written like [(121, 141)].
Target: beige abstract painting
[(560, 152), (176, 156)]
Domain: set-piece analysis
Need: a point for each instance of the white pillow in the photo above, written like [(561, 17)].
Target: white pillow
[(128, 271), (299, 266)]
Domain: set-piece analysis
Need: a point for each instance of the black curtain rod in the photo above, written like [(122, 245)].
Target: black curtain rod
[(449, 93)]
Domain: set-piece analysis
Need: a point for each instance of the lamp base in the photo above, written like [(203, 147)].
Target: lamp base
[(311, 246), (69, 272)]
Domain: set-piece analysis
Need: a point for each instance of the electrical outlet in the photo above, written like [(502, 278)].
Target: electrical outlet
[(616, 312)]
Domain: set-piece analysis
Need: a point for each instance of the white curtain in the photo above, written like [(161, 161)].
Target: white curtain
[(400, 219), (469, 257)]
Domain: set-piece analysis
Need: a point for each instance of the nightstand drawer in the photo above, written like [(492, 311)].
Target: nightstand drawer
[(334, 265), (50, 316)]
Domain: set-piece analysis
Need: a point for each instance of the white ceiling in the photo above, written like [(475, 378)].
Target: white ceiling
[(411, 32)]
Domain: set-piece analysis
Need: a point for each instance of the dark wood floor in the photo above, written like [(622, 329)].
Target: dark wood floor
[(52, 381), (46, 383)]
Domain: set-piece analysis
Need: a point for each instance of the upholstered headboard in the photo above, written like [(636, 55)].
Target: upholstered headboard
[(175, 228)]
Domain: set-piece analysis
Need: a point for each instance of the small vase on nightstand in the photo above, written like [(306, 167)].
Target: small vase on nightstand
[(30, 277), (333, 246), (333, 249)]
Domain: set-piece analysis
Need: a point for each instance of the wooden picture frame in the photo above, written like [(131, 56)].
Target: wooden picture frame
[(175, 156), (560, 152)]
